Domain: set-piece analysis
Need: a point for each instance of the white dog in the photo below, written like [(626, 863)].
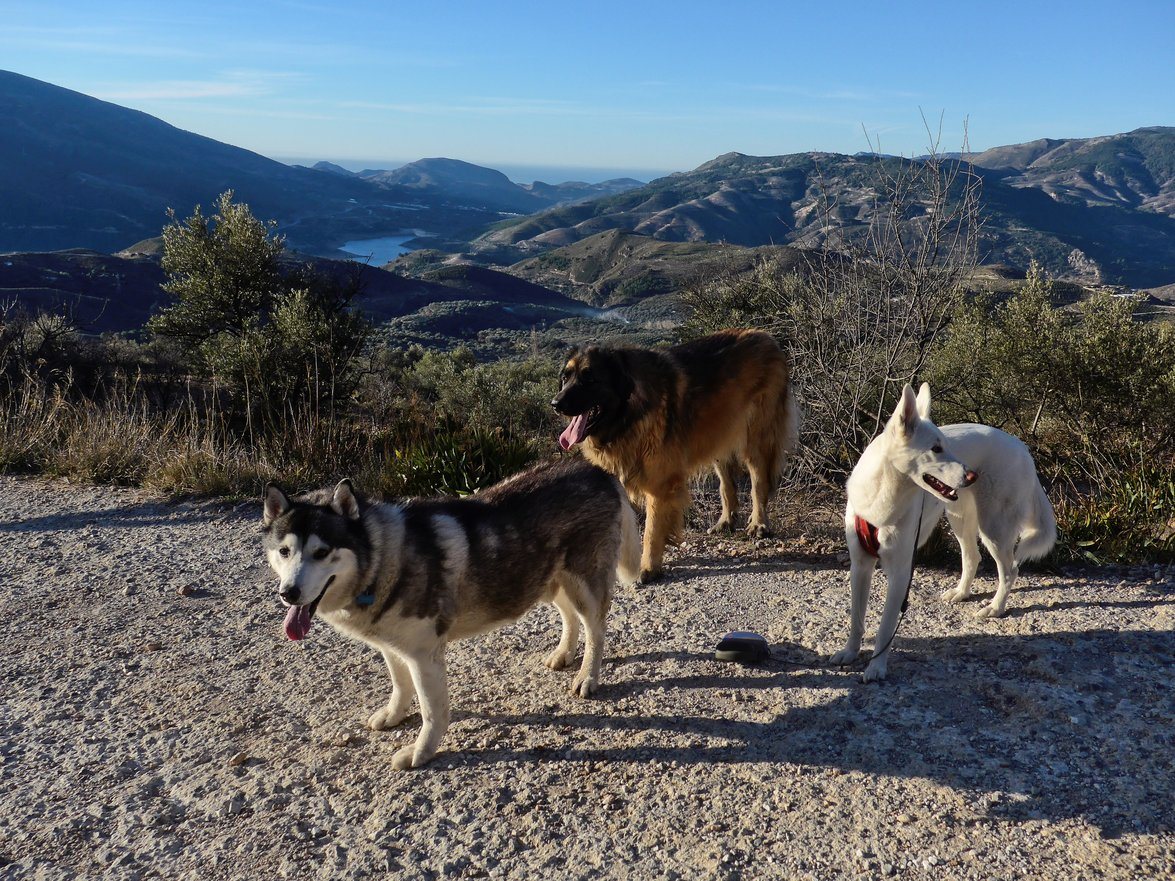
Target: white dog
[(985, 481)]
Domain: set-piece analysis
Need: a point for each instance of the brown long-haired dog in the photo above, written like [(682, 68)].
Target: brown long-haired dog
[(654, 418)]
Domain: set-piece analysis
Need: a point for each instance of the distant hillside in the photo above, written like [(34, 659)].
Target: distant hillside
[(117, 293), (618, 267), (1134, 170), (102, 292), (1096, 210), (79, 172)]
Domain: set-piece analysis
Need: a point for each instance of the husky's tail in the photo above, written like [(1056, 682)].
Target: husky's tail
[(1039, 534), (628, 567)]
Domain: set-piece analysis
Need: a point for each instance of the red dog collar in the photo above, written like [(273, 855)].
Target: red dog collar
[(867, 536)]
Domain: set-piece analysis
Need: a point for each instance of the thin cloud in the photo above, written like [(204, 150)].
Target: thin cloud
[(231, 84), (91, 40), (482, 107), (833, 94)]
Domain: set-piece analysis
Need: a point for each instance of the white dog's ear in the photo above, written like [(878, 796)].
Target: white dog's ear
[(924, 401), (344, 501), (905, 415), (273, 504)]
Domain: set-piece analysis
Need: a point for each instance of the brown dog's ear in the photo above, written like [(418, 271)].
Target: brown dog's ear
[(273, 503)]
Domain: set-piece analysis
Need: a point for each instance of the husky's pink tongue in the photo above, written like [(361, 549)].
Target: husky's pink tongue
[(575, 431), (297, 623)]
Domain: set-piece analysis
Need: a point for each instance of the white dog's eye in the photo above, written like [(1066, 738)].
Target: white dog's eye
[(284, 551), (937, 448)]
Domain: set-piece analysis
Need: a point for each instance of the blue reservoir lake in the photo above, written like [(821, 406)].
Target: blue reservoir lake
[(377, 252)]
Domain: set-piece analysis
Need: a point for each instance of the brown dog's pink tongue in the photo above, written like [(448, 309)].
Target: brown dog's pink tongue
[(574, 432), (297, 623)]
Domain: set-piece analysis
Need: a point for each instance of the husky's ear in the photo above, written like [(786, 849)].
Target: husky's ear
[(344, 501), (905, 415), (924, 401), (273, 504)]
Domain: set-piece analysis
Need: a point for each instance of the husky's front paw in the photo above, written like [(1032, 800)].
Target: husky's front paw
[(845, 656), (386, 718), (955, 595), (991, 610), (648, 576), (559, 658), (585, 685), (876, 670), (724, 525), (408, 757)]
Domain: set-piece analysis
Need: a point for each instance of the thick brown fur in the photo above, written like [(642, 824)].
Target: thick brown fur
[(657, 417)]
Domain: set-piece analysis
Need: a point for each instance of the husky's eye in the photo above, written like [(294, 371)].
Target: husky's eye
[(321, 553), (937, 448), (284, 551)]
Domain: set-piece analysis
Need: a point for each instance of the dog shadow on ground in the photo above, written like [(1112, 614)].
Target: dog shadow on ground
[(136, 516), (1055, 726)]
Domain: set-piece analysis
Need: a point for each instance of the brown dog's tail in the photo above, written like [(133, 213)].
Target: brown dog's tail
[(787, 431)]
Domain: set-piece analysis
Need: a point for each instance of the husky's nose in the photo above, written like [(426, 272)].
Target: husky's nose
[(290, 594), (969, 478), (555, 403)]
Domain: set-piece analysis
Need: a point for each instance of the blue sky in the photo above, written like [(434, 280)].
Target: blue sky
[(636, 86)]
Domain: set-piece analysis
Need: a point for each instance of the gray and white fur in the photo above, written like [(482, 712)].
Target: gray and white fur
[(410, 578)]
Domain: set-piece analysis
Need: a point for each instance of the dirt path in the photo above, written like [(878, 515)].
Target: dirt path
[(156, 724)]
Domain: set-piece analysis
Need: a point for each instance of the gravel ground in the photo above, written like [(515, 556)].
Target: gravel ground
[(156, 724)]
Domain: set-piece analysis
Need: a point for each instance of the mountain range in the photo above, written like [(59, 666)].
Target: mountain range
[(454, 179), (79, 173), (1099, 209)]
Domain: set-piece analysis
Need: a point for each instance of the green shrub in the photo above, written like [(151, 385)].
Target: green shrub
[(453, 463), (1091, 390)]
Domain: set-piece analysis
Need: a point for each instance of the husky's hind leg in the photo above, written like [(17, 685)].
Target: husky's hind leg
[(400, 703), (727, 472), (592, 599), (966, 529), (569, 641), (428, 675)]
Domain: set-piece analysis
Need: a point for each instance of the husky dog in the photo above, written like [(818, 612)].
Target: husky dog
[(654, 418), (410, 578), (985, 481)]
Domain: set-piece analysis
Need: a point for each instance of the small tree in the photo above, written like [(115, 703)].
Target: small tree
[(223, 272), (278, 340)]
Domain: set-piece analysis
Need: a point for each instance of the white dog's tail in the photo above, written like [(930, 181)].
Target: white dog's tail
[(1039, 534), (628, 567)]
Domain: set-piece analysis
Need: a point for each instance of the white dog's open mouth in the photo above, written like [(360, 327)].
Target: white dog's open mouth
[(941, 488)]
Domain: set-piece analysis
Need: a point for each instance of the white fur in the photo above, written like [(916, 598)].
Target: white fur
[(298, 567), (1005, 505)]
